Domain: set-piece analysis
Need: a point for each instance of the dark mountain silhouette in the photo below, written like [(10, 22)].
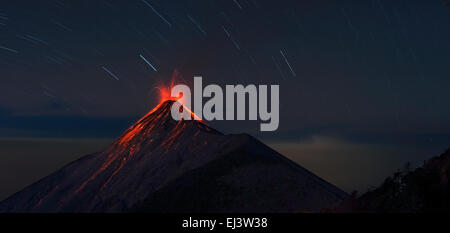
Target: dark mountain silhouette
[(163, 165), (425, 189)]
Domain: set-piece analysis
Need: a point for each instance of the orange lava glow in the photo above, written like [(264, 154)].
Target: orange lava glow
[(164, 95), (165, 92)]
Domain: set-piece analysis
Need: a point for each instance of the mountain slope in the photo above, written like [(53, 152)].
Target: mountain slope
[(424, 189), (249, 178), (158, 162)]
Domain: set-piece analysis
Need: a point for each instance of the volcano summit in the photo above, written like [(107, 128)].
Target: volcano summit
[(163, 165)]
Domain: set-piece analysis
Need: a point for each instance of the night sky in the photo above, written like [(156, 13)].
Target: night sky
[(361, 72)]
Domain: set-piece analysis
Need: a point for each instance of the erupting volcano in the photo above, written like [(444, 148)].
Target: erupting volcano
[(163, 165)]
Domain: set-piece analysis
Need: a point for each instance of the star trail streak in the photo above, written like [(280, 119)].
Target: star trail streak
[(157, 13), (146, 61), (287, 62), (8, 49), (110, 73), (197, 25)]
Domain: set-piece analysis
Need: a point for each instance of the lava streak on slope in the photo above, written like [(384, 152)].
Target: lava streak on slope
[(165, 97), (140, 133)]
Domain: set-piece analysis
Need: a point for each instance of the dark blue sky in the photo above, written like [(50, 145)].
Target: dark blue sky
[(376, 71)]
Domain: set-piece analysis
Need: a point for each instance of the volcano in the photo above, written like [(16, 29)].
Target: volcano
[(163, 165)]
